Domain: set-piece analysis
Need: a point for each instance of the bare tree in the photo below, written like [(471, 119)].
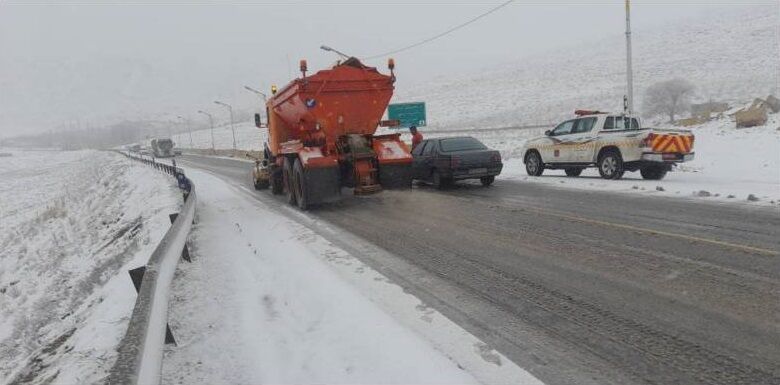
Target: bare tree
[(671, 97)]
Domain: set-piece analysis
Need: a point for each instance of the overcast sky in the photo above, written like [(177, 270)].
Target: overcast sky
[(93, 62)]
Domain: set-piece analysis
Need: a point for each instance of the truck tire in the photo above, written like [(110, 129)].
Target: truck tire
[(610, 164), (573, 171), (533, 164), (277, 181), (653, 172), (287, 177), (487, 180), (299, 181)]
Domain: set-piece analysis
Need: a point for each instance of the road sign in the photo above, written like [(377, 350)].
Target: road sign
[(408, 114)]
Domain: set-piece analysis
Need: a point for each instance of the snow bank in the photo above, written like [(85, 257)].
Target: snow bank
[(72, 223), (261, 303)]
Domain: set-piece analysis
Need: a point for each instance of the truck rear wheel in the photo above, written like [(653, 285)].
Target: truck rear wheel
[(653, 172), (299, 183), (611, 165), (533, 164), (287, 177)]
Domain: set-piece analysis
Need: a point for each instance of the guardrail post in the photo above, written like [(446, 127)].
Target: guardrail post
[(137, 276), (185, 252)]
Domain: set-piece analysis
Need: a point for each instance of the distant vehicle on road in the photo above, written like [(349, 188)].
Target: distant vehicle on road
[(612, 143), (162, 148), (441, 161)]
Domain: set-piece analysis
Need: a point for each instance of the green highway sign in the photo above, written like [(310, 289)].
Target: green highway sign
[(409, 114)]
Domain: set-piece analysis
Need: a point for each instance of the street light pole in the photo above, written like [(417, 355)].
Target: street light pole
[(629, 69), (233, 129), (211, 121), (187, 127), (265, 100)]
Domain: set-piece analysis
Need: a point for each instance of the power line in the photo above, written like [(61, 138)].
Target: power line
[(432, 38)]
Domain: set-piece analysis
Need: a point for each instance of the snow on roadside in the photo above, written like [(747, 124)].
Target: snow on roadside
[(72, 224), (263, 303)]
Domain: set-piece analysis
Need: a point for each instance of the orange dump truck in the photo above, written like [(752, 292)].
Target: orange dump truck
[(321, 136)]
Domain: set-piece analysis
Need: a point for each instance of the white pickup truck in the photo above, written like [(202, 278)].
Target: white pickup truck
[(611, 142)]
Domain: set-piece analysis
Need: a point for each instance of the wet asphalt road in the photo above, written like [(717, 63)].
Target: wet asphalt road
[(578, 287)]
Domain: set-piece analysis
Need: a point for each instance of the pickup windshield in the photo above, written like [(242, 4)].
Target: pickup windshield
[(461, 144)]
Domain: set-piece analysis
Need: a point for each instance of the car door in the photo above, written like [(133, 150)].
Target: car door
[(581, 139), (558, 149), (421, 163)]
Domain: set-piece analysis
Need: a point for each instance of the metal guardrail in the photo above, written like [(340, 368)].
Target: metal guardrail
[(141, 350)]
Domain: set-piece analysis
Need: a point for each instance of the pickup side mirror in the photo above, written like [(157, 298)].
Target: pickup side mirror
[(258, 121), (547, 133)]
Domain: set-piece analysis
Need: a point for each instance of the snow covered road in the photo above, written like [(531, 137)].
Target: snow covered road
[(268, 301)]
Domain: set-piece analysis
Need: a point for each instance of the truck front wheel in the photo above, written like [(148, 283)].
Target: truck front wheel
[(653, 172), (287, 177), (299, 183), (277, 181), (611, 165)]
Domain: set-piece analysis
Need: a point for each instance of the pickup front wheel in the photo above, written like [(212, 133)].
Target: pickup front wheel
[(611, 165), (533, 164)]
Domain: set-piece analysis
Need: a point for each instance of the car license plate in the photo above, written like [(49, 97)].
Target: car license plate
[(478, 171)]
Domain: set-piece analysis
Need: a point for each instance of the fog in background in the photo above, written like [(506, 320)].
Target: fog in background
[(90, 65)]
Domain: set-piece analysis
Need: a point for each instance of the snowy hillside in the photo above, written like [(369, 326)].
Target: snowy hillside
[(730, 57), (72, 224)]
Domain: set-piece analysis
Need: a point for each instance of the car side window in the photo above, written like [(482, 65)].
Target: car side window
[(584, 125), (609, 124), (429, 148), (563, 128)]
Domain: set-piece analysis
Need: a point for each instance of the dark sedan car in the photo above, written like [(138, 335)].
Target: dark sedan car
[(441, 161)]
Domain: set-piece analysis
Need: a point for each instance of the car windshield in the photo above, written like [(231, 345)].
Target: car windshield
[(461, 144)]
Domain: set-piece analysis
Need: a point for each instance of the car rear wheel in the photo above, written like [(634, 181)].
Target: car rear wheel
[(573, 171), (611, 165), (487, 180), (533, 164), (653, 172)]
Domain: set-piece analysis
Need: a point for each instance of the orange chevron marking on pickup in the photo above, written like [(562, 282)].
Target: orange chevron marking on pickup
[(672, 143)]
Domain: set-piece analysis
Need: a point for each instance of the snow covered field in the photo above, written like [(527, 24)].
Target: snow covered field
[(266, 300), (71, 225)]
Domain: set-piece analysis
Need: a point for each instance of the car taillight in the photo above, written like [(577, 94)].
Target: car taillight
[(496, 157), (454, 162), (648, 140)]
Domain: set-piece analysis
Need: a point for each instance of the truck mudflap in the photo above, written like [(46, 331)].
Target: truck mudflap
[(322, 184)]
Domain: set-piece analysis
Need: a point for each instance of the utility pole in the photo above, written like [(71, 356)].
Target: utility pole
[(233, 129), (187, 127), (629, 69), (211, 121)]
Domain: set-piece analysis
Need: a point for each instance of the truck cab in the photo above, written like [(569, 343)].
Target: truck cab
[(613, 143)]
